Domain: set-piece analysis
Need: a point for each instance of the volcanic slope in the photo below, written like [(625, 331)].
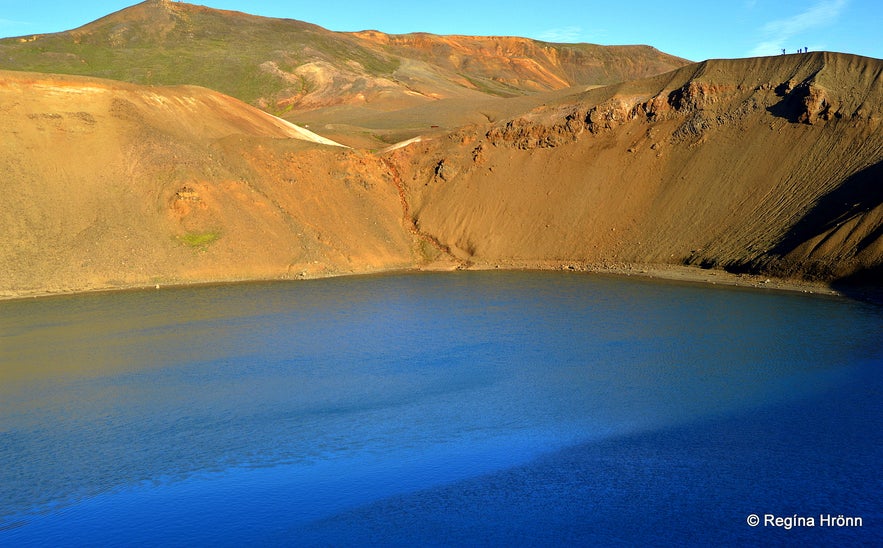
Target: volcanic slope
[(768, 165), (107, 184), (312, 75)]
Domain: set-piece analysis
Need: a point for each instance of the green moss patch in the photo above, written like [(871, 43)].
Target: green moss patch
[(199, 240)]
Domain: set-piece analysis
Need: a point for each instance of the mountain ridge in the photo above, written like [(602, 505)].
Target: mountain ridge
[(289, 67)]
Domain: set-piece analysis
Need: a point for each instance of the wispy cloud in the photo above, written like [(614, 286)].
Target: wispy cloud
[(10, 25), (779, 34), (561, 35)]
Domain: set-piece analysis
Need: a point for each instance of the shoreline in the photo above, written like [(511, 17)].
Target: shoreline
[(681, 273), (677, 273)]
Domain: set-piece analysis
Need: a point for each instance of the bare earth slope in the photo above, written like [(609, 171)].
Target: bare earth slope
[(769, 165), (112, 185)]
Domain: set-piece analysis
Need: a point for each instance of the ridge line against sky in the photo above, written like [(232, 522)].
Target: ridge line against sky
[(695, 30)]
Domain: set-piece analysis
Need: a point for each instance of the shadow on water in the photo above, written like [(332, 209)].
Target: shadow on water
[(693, 484), (416, 409), (865, 285)]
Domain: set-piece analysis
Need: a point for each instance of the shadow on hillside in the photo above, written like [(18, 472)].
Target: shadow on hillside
[(858, 194), (791, 105), (865, 285), (794, 105)]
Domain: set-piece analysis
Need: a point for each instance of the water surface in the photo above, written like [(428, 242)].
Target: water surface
[(499, 408)]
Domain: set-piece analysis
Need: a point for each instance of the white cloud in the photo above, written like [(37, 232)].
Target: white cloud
[(780, 34), (561, 35), (818, 15)]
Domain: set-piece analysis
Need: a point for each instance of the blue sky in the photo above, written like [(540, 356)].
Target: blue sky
[(695, 30)]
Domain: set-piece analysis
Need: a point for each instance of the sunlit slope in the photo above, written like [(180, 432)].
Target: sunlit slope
[(289, 67), (770, 165), (108, 184)]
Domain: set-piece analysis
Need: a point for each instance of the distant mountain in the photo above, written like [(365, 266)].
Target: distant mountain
[(286, 66)]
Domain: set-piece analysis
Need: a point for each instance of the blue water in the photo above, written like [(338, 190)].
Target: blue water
[(439, 409)]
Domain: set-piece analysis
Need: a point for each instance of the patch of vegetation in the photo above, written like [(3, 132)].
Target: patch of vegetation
[(426, 252), (202, 47), (199, 240), (152, 45), (498, 89), (341, 49)]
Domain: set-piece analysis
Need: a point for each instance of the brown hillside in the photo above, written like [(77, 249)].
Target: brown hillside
[(770, 165), (108, 185)]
